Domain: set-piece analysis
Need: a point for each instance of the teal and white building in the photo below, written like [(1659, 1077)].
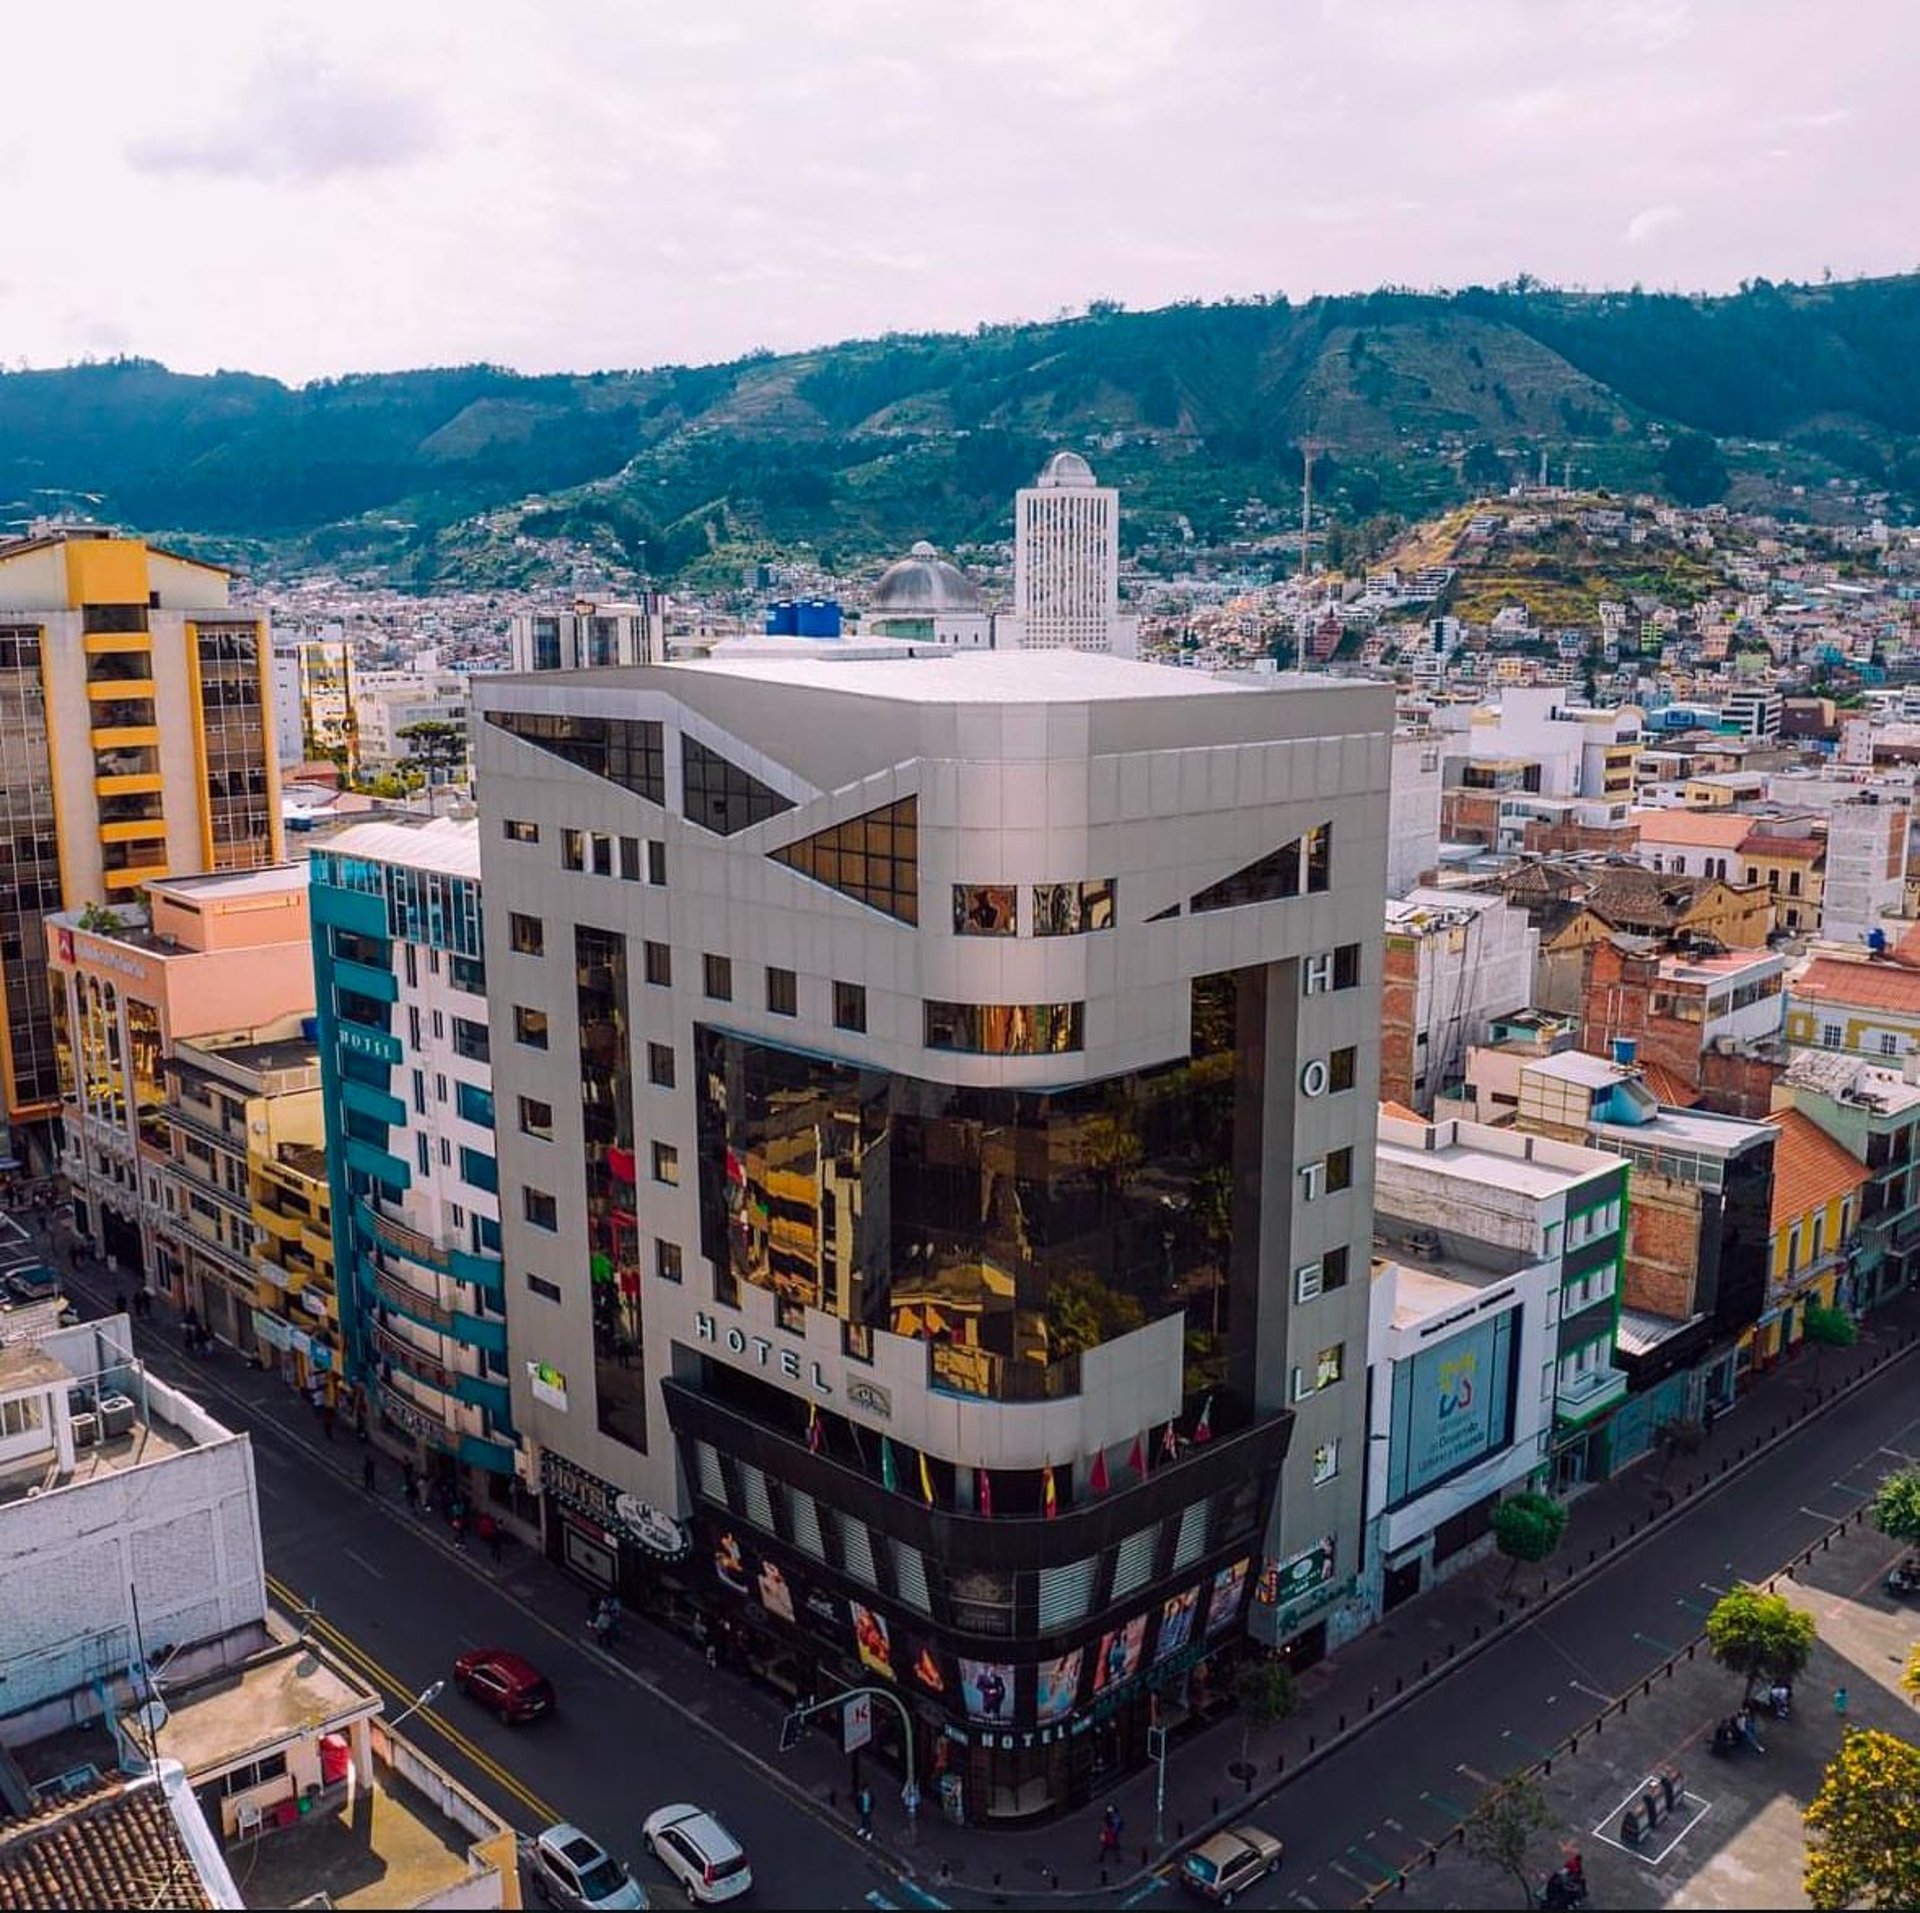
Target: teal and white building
[(406, 1056)]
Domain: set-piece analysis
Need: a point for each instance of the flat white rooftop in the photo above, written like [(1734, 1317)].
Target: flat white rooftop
[(1485, 1167), (445, 844), (272, 881), (997, 677)]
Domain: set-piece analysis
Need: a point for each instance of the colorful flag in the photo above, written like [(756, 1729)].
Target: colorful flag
[(815, 1433), (888, 1479), (1169, 1445), (926, 1481), (1097, 1480), (1137, 1457), (1203, 1428), (986, 1494), (1049, 1495)]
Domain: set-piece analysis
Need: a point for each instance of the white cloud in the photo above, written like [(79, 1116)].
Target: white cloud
[(1650, 220)]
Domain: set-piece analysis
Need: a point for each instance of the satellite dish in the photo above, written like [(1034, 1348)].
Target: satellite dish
[(152, 1716)]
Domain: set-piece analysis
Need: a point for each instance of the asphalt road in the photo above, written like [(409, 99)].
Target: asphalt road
[(1351, 1822), (388, 1600)]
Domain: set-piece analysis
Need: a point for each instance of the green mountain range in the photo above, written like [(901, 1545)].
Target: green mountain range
[(1802, 396)]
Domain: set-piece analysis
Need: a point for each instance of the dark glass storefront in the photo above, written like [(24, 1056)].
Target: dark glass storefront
[(1032, 1652)]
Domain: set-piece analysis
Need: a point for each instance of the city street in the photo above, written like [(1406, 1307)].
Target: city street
[(392, 1599), (1352, 1821), (387, 1598)]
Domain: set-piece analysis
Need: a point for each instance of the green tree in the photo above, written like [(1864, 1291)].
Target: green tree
[(1863, 1827), (1526, 1529), (1694, 469), (1827, 1328), (1502, 1829), (1759, 1636), (1266, 1694), (434, 745), (1896, 1506)]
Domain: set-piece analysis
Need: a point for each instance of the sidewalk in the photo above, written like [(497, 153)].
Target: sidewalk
[(1421, 1643)]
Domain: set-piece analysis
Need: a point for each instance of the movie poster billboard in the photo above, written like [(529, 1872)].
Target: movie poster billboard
[(1057, 1686), (1229, 1591), (871, 1640), (1176, 1623), (1120, 1653), (987, 1687)]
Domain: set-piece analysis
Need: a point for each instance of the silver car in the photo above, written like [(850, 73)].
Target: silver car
[(573, 1871)]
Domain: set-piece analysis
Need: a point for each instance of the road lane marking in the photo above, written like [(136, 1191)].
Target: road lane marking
[(1451, 1808), (360, 1560), (1817, 1514), (1474, 1773), (1145, 1892)]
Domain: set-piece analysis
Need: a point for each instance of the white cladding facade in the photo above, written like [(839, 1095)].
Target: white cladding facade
[(1084, 839), (1066, 565)]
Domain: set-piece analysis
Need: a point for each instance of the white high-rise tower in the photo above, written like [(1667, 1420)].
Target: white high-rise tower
[(1066, 565)]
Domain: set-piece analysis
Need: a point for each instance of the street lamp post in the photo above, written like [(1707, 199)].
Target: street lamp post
[(425, 1698)]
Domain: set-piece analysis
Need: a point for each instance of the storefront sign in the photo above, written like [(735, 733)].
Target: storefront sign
[(856, 1724), (623, 1515), (270, 1329), (547, 1385), (1284, 1582), (762, 1350)]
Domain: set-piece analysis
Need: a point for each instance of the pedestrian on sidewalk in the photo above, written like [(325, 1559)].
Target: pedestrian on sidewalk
[(1840, 1702), (488, 1530), (369, 1473), (863, 1806), (1110, 1827)]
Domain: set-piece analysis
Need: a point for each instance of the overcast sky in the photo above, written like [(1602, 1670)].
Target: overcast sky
[(305, 189)]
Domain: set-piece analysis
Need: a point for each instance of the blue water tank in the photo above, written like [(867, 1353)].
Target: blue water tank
[(310, 1029), (783, 619), (819, 618), (1877, 941), (1625, 1049)]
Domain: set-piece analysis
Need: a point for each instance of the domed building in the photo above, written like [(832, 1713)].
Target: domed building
[(923, 596)]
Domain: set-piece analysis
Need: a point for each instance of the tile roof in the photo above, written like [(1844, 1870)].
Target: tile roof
[(1810, 1169), (1864, 986), (1675, 1092), (117, 1847), (1761, 844), (1693, 829), (1400, 1113)]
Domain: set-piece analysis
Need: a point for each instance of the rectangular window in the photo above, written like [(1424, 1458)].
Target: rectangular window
[(630, 859), (1073, 909), (783, 992), (660, 1065), (518, 832), (1339, 1170), (1006, 1029), (439, 1030), (667, 1264), (850, 1007), (666, 1164), (602, 855), (1341, 1066), (545, 1290), (529, 1026), (659, 962), (422, 1154), (1329, 1365), (1319, 858), (474, 1104), (718, 977), (540, 1209), (419, 1092), (471, 1041), (526, 935), (536, 1118), (1326, 1462), (985, 909), (1346, 967), (1333, 1269), (573, 850), (656, 863), (1830, 1035), (1889, 1043), (410, 960)]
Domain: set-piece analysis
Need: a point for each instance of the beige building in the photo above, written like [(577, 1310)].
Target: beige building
[(135, 741), (205, 956)]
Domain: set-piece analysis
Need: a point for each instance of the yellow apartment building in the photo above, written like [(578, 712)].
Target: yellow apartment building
[(1817, 1184), (135, 742)]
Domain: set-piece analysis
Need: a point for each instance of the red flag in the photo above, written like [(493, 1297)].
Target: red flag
[(1137, 1457), (1203, 1428), (1169, 1445), (986, 1494), (1049, 1495), (1097, 1480)]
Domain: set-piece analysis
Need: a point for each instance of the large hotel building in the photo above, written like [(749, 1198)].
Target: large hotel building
[(935, 1115)]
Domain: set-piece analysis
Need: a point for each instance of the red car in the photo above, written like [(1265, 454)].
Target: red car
[(505, 1683)]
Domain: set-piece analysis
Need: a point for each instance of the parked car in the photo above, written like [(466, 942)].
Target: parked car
[(572, 1871), (505, 1683), (699, 1852), (1219, 1868)]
